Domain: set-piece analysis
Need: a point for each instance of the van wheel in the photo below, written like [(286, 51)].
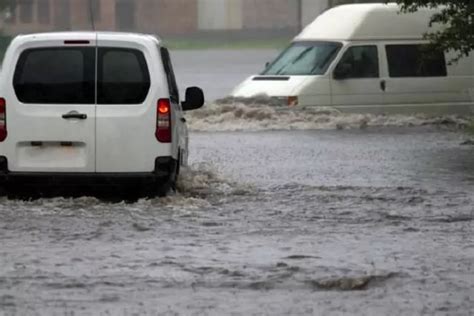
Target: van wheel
[(162, 189)]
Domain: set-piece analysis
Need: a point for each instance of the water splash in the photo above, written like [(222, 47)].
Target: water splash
[(258, 115), (203, 180), (198, 186)]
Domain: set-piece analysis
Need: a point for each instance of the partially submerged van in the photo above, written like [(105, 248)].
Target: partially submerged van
[(366, 58), (92, 109)]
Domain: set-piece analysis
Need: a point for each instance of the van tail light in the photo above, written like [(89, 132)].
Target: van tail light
[(163, 121), (3, 119)]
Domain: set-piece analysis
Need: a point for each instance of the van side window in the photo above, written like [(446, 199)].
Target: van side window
[(56, 76), (415, 61), (123, 76), (360, 62), (172, 86)]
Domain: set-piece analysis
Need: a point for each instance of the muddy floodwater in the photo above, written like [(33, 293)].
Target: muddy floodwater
[(351, 222), (310, 212)]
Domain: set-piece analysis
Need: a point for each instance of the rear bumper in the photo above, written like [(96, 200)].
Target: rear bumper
[(165, 169)]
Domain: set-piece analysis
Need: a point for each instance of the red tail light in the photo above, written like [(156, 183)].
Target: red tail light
[(163, 121), (3, 119)]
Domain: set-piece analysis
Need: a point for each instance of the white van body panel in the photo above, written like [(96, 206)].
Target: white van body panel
[(363, 22), (113, 139), (308, 88), (125, 135), (379, 25), (30, 123), (255, 86)]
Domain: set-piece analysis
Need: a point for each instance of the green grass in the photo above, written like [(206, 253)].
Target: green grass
[(188, 44)]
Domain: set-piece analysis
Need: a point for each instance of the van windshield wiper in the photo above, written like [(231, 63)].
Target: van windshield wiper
[(298, 58), (279, 72), (301, 55), (325, 61)]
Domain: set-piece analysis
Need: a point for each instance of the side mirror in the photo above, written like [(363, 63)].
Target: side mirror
[(194, 99), (342, 71), (267, 64)]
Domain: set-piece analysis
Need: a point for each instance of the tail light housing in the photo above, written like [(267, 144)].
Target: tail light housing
[(163, 121), (3, 119)]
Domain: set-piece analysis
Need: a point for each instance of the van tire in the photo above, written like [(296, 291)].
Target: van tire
[(162, 189)]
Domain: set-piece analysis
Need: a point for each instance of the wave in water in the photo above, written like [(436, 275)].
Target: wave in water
[(258, 116), (197, 186), (203, 180)]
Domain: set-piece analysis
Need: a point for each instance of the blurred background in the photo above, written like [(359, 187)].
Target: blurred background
[(207, 37), (183, 23)]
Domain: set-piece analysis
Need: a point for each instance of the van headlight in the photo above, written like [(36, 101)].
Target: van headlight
[(292, 101), (283, 101)]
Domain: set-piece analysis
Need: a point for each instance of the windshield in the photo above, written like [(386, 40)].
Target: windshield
[(304, 58)]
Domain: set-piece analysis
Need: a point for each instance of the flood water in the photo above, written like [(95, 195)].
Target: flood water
[(306, 213)]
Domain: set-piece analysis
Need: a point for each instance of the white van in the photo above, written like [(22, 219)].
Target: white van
[(366, 57), (91, 108)]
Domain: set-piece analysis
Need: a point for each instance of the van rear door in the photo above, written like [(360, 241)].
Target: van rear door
[(50, 107), (126, 107)]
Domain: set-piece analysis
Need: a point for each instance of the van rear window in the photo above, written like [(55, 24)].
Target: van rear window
[(123, 76), (59, 75), (56, 76)]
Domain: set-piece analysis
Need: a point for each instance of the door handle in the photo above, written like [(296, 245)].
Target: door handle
[(383, 85), (183, 120), (74, 115)]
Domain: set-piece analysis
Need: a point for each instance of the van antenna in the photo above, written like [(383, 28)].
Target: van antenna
[(91, 15)]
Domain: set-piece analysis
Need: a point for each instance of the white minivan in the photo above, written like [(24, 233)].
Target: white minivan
[(366, 58), (91, 108)]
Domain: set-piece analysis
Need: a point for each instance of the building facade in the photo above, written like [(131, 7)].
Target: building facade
[(166, 17)]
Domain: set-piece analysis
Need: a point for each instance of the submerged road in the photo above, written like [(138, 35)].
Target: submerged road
[(373, 222), (333, 221)]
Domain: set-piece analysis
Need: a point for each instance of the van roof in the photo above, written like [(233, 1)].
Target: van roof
[(368, 22), (78, 35)]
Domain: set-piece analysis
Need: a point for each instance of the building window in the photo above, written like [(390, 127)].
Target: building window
[(26, 11), (43, 11), (415, 61)]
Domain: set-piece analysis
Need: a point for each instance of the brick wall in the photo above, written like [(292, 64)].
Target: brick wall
[(164, 17), (270, 14), (167, 17)]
